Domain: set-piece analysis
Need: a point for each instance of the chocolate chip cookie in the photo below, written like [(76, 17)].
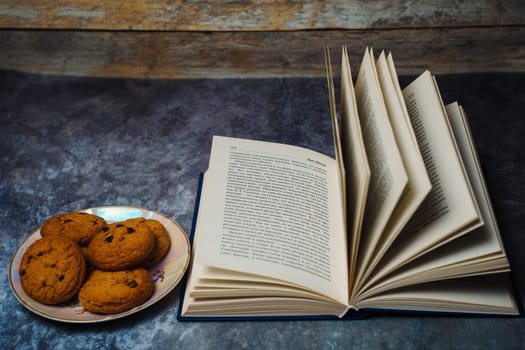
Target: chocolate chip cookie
[(78, 226), (121, 245), (162, 243), (110, 292), (52, 270)]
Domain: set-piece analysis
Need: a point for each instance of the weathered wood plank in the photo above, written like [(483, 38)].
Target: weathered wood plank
[(256, 54), (254, 15)]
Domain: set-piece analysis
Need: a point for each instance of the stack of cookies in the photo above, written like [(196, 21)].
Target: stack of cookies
[(104, 264)]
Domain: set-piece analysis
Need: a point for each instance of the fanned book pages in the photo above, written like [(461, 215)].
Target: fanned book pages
[(400, 220)]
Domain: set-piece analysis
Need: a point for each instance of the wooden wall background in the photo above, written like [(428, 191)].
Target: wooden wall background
[(255, 38)]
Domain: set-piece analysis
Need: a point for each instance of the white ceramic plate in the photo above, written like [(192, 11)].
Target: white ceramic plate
[(166, 275)]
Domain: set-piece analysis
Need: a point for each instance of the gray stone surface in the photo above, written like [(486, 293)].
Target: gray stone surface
[(69, 143)]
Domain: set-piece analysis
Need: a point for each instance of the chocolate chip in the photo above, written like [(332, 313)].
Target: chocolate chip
[(132, 284), (94, 222), (60, 277), (68, 220), (22, 272), (105, 229), (40, 253), (119, 225), (109, 238), (53, 265), (131, 230)]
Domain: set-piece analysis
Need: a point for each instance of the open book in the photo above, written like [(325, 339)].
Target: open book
[(401, 219)]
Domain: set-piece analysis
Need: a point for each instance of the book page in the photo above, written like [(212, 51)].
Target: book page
[(479, 252), (274, 210), (356, 162), (388, 175), (458, 121), (257, 306), (218, 283), (418, 185), (335, 125), (482, 294), (450, 209)]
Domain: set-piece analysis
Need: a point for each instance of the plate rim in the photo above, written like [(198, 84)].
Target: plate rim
[(108, 317)]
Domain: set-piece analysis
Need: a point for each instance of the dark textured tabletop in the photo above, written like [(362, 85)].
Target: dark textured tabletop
[(70, 143)]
